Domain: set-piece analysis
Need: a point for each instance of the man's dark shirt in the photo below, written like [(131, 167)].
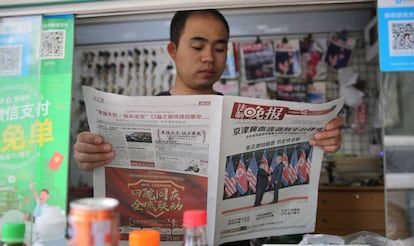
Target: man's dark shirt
[(262, 182), (164, 93)]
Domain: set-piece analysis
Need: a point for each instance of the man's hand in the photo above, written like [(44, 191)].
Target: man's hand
[(330, 139), (90, 151)]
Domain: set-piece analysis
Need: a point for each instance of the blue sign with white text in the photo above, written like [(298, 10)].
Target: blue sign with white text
[(396, 35)]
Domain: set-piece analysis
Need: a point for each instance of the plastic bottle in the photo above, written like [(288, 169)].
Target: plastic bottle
[(194, 223), (50, 228), (13, 234), (145, 237)]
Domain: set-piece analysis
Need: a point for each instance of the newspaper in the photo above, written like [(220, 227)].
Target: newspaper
[(246, 161)]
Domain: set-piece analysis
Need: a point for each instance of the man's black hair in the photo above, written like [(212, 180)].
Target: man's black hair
[(180, 18)]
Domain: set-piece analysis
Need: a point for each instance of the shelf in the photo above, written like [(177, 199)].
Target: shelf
[(123, 7)]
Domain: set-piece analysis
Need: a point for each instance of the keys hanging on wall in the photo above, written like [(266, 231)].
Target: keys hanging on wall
[(130, 69)]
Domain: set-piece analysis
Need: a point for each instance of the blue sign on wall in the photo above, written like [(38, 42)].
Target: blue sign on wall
[(396, 35)]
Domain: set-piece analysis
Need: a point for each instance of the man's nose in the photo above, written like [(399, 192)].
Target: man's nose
[(207, 56)]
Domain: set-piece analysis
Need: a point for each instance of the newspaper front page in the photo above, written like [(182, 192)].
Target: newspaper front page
[(232, 156), (269, 174)]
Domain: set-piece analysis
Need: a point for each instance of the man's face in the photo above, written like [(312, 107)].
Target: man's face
[(201, 55), (278, 159)]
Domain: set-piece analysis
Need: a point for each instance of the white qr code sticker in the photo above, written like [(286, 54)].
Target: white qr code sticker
[(402, 38), (10, 60), (53, 44)]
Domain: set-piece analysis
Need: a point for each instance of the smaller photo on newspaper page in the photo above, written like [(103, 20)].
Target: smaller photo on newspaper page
[(287, 58), (257, 61), (339, 51)]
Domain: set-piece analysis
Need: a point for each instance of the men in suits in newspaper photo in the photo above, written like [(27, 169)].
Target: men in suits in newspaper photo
[(262, 183), (277, 179)]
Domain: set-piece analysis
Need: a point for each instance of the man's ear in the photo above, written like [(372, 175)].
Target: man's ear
[(172, 50)]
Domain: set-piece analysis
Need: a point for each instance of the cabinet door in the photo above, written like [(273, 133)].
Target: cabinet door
[(349, 210), (350, 221), (351, 200)]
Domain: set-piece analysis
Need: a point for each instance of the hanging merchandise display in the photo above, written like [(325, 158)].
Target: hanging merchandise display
[(287, 57), (347, 79), (139, 69), (230, 70), (136, 69), (313, 51), (316, 92), (292, 91), (93, 67), (227, 87), (339, 50), (255, 90), (257, 61)]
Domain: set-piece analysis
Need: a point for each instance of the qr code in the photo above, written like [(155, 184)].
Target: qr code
[(402, 37), (10, 60), (53, 44)]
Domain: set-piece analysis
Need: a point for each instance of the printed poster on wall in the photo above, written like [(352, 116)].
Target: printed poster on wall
[(396, 35), (35, 97), (257, 61), (230, 71), (287, 58), (339, 50), (313, 66)]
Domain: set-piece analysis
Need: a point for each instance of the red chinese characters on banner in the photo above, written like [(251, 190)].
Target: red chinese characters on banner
[(154, 199), (258, 112), (263, 112)]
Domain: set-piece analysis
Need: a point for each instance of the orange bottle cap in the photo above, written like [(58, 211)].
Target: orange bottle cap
[(147, 237)]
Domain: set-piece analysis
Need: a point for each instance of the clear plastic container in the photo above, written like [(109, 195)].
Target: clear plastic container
[(194, 223), (50, 228)]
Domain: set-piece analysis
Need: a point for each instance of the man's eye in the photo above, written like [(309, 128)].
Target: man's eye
[(220, 48), (197, 47)]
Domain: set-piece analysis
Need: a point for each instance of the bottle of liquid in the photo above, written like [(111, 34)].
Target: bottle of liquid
[(50, 228), (145, 237), (13, 234), (194, 223)]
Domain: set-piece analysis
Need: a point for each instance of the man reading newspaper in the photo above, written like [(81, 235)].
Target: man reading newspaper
[(198, 46)]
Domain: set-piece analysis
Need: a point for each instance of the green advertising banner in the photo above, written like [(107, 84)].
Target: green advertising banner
[(36, 56)]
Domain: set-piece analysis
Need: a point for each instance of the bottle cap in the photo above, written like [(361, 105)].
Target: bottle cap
[(13, 232), (147, 237), (192, 218)]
